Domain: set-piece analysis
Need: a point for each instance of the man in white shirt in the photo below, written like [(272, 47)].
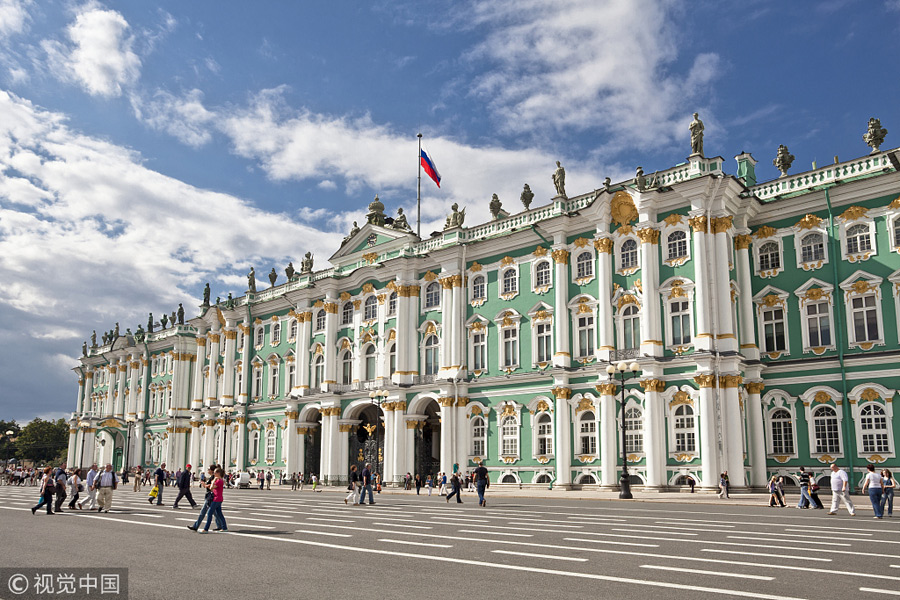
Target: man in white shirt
[(91, 502), (840, 491), (106, 482)]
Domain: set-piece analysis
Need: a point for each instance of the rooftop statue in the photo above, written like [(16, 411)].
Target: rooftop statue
[(128, 331), (273, 277), (229, 303), (94, 339), (376, 213), (874, 137), (139, 334), (353, 231), (607, 183), (455, 218), (164, 320), (639, 180), (400, 221), (206, 295), (218, 300), (527, 196), (180, 314), (696, 128), (559, 180), (105, 338), (783, 160), (251, 280), (496, 206), (116, 331), (306, 265), (172, 318), (150, 323), (84, 349), (289, 271)]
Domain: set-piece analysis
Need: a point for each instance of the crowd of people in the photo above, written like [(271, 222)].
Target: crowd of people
[(878, 485)]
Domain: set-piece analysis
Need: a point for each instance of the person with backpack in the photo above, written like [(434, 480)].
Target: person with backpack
[(457, 488), (805, 499), (268, 480), (353, 488), (61, 478)]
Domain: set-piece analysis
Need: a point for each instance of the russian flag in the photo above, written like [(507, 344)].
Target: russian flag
[(429, 167)]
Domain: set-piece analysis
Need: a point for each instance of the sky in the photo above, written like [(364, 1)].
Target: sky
[(147, 148)]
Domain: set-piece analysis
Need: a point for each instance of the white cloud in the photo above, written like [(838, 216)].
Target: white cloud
[(99, 55), (327, 184), (184, 118), (13, 16)]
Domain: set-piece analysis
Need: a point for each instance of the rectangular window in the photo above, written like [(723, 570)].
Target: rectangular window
[(510, 347), (681, 322), (585, 336), (479, 348), (544, 350), (865, 319), (818, 324), (773, 330), (257, 382), (588, 437)]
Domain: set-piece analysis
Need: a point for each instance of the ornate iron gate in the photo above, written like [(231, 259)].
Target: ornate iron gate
[(426, 463), (367, 446), (313, 450)]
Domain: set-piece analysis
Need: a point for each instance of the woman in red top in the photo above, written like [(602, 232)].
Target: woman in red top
[(215, 507)]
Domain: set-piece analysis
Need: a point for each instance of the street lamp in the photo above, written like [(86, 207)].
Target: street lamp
[(623, 371), (83, 425), (226, 412), (129, 423), (9, 434)]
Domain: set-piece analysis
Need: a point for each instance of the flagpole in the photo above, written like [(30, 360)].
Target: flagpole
[(419, 192)]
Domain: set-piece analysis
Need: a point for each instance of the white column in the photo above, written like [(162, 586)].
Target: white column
[(606, 333), (300, 431), (703, 304), (462, 430), (458, 331), (212, 393), (79, 398), (400, 437), (209, 440), (726, 340), (342, 468), (73, 446), (389, 446), (120, 391), (563, 441), (87, 391), (301, 349), (197, 391), (331, 376), (609, 433), (748, 345), (733, 439), (109, 405), (227, 392), (709, 450), (654, 433), (134, 382), (195, 441), (448, 318), (89, 441), (447, 433), (562, 355), (756, 434), (651, 331)]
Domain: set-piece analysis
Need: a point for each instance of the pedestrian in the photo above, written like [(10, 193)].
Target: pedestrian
[(138, 479), (106, 483), (418, 483), (160, 476), (215, 507), (366, 485), (840, 491), (723, 486), (814, 494), (184, 487), (873, 484), (75, 488), (300, 482), (269, 480), (315, 482), (482, 481), (457, 488), (378, 482), (61, 478), (353, 488), (260, 479), (89, 481), (887, 492), (429, 484), (293, 482), (207, 500), (774, 496), (48, 484), (805, 499), (692, 483), (443, 479)]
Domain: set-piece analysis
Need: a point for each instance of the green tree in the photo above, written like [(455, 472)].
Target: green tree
[(42, 441), (7, 443)]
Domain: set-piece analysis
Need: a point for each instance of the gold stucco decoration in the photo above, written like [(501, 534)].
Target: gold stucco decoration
[(622, 210), (854, 213), (810, 221), (765, 232)]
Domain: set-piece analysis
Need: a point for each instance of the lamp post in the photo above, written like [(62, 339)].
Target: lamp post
[(129, 423), (9, 434), (226, 413), (378, 397), (623, 371), (83, 425)]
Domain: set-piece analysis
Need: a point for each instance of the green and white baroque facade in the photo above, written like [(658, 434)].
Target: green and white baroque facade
[(764, 318)]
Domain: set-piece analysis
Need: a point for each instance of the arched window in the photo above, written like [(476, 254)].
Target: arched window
[(318, 371), (270, 445), (629, 254), (370, 363), (825, 424), (587, 479), (685, 440), (478, 288), (276, 333), (873, 422), (509, 436), (584, 265), (769, 256), (347, 313), (346, 367), (320, 320), (542, 274), (544, 434), (371, 309), (510, 281), (254, 445), (260, 336), (858, 239), (587, 433), (293, 329), (392, 359), (508, 478), (433, 295), (782, 432), (431, 355), (676, 245), (479, 436), (634, 430), (631, 327), (812, 247), (543, 478), (392, 303)]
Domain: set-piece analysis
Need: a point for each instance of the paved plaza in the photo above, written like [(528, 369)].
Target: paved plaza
[(284, 544)]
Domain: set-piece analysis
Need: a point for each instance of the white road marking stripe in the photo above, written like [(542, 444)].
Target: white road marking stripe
[(880, 591), (661, 532), (232, 524), (495, 532), (803, 541), (765, 554), (707, 524), (532, 525), (829, 550), (409, 543), (878, 540), (401, 525), (329, 520), (532, 555), (702, 572), (328, 533), (808, 527)]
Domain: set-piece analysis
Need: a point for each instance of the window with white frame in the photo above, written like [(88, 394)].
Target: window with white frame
[(479, 291), (864, 315), (276, 334), (254, 445), (542, 274), (631, 327), (781, 425), (433, 295), (818, 324), (320, 320), (510, 281), (587, 433), (774, 338), (370, 309), (676, 245), (392, 304), (238, 380), (859, 239), (347, 313), (318, 371), (270, 445), (431, 355), (479, 436), (543, 342), (346, 367), (544, 438), (826, 430), (293, 329), (260, 336), (273, 380), (369, 357), (685, 435), (895, 227), (392, 359), (240, 340), (628, 254), (634, 430), (510, 355), (257, 380), (874, 425), (584, 331), (812, 247), (769, 256), (584, 265), (680, 321), (509, 436), (292, 375), (479, 350)]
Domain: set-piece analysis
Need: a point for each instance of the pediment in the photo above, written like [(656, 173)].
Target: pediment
[(370, 238)]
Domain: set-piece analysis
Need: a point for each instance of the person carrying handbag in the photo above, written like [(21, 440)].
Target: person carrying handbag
[(354, 487), (48, 484)]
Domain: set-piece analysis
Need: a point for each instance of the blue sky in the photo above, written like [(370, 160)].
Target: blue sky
[(146, 148)]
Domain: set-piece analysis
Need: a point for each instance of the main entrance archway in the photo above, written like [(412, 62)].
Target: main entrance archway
[(367, 442), (312, 445), (428, 442)]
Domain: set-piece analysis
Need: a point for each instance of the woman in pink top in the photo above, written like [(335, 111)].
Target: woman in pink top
[(215, 507)]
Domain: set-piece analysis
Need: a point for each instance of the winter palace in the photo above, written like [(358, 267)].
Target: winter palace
[(764, 318)]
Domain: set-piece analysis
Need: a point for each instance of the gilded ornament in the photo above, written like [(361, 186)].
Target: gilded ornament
[(869, 394), (722, 224), (430, 276), (705, 381), (509, 410), (742, 242), (475, 267), (862, 286), (677, 291), (673, 219), (772, 300), (621, 208), (821, 397), (755, 387), (853, 213), (730, 381), (586, 404), (765, 232), (560, 256), (810, 221), (542, 406), (680, 397), (698, 223), (446, 283), (581, 242), (895, 204), (562, 392), (604, 245), (626, 299), (345, 296), (476, 410), (653, 385), (648, 235)]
